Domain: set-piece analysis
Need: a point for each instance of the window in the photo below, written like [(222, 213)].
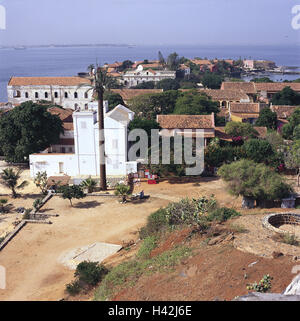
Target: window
[(63, 150), (83, 124), (56, 94), (76, 106), (36, 95), (46, 94), (86, 106), (61, 168), (75, 95), (17, 94), (66, 95), (86, 95), (26, 95)]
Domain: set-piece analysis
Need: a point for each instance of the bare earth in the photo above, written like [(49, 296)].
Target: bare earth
[(32, 257)]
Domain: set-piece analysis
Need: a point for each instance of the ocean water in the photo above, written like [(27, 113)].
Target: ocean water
[(68, 61)]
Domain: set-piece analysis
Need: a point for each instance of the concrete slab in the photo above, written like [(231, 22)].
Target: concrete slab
[(96, 252)]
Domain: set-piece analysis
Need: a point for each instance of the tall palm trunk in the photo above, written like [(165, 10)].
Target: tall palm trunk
[(103, 184)]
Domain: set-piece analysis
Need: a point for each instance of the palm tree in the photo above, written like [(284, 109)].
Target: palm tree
[(123, 191), (101, 81), (90, 184), (10, 178)]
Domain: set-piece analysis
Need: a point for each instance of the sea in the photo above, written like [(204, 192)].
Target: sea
[(69, 61)]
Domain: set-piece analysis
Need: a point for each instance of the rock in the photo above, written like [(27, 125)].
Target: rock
[(277, 254), (296, 258), (251, 264), (255, 296), (216, 240), (229, 237)]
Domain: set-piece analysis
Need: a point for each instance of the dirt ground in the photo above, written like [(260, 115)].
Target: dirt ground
[(31, 258), (217, 272)]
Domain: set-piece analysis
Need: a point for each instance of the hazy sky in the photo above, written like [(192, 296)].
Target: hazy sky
[(149, 22)]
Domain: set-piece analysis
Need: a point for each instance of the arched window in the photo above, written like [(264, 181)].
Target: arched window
[(66, 95), (56, 94), (75, 95), (46, 94), (26, 95), (76, 106), (17, 94), (86, 106), (36, 95), (86, 95)]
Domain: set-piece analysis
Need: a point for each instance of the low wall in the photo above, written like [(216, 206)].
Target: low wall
[(273, 221)]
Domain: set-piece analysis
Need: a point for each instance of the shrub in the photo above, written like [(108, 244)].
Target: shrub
[(123, 191), (264, 284), (222, 214), (290, 239), (90, 273), (26, 215), (37, 204), (190, 212), (73, 288), (156, 222), (1, 239)]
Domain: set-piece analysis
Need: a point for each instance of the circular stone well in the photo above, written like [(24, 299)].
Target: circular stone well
[(283, 223)]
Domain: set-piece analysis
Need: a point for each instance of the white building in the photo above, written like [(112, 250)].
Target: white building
[(134, 77), (84, 161), (68, 92)]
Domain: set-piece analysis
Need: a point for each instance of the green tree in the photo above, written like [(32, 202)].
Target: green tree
[(125, 65), (143, 123), (123, 191), (90, 184), (10, 178), (258, 150), (292, 158), (28, 129), (237, 129), (211, 80), (195, 103), (70, 192), (287, 96), (296, 133), (294, 120), (161, 59), (173, 61), (261, 79), (168, 84), (40, 181), (145, 85), (114, 99), (3, 203), (254, 181), (267, 118)]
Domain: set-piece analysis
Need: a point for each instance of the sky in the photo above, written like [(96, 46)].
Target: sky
[(149, 22)]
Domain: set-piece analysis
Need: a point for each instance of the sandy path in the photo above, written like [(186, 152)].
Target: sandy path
[(31, 259)]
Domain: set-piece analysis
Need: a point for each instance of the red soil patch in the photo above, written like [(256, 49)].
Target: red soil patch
[(172, 240), (218, 272)]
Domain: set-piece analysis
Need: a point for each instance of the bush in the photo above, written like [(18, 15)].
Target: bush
[(156, 221), (73, 288), (37, 204), (222, 214), (190, 212), (264, 284), (290, 239), (26, 215), (90, 273)]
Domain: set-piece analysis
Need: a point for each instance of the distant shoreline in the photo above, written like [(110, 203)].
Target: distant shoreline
[(67, 46)]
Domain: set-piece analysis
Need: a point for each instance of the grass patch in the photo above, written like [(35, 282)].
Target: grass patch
[(130, 271), (237, 228), (148, 245), (290, 239)]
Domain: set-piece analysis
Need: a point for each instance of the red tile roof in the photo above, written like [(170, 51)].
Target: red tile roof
[(186, 121), (65, 115), (128, 94), (247, 87), (276, 86), (246, 107), (283, 111), (48, 81)]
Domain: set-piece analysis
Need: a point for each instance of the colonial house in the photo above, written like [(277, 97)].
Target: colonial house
[(68, 92), (245, 112), (247, 87), (268, 89), (134, 77), (186, 125), (84, 160)]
